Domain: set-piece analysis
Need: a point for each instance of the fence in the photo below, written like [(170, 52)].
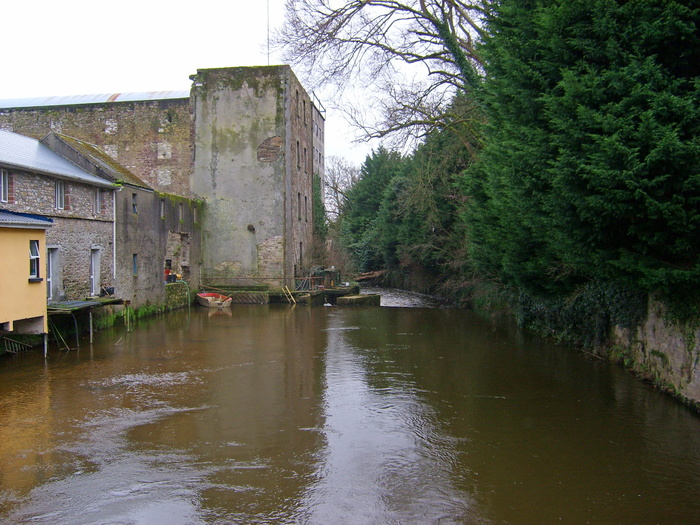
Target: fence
[(11, 346)]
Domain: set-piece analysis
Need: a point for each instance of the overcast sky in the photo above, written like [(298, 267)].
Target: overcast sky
[(85, 47)]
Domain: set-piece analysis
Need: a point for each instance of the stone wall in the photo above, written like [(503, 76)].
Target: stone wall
[(79, 229), (665, 352), (302, 141), (257, 141), (151, 138), (75, 240), (37, 194), (145, 239)]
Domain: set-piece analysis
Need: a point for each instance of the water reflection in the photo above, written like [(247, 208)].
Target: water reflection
[(305, 415), (384, 460)]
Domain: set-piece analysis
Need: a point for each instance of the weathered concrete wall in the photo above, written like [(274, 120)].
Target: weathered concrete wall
[(665, 352), (242, 148), (153, 139), (163, 227)]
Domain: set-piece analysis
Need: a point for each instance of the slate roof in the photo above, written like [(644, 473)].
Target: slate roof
[(18, 151), (109, 166), (72, 100), (23, 220)]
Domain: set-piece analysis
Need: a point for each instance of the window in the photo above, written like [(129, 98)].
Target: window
[(52, 271), (60, 195), (4, 186), (306, 208), (306, 169), (98, 201), (34, 261), (95, 281), (135, 264), (180, 212), (298, 156), (304, 112), (134, 204), (299, 205), (162, 208)]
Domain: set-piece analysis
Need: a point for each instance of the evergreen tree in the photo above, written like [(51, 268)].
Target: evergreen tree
[(364, 199), (592, 162)]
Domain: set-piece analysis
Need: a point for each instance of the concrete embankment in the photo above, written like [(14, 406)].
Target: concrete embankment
[(664, 352)]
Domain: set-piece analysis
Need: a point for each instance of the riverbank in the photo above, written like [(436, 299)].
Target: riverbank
[(613, 323)]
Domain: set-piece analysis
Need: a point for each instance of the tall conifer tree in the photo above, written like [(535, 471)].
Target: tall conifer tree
[(592, 161)]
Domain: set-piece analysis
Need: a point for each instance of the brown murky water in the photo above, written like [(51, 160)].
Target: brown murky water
[(320, 415)]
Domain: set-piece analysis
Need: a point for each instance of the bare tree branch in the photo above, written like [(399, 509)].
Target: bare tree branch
[(410, 57), (340, 176)]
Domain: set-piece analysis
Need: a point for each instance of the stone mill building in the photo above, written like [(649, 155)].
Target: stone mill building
[(234, 156)]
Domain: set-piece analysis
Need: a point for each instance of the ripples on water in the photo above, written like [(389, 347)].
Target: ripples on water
[(273, 414)]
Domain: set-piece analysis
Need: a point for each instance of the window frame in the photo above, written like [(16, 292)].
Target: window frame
[(60, 196), (4, 185), (34, 261), (98, 201)]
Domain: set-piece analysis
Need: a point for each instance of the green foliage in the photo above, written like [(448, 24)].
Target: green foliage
[(318, 210), (403, 213), (585, 315), (591, 168), (358, 219)]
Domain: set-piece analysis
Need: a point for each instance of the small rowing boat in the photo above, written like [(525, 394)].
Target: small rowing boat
[(213, 300)]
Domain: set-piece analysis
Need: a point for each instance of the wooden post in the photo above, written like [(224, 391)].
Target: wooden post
[(90, 312), (77, 334)]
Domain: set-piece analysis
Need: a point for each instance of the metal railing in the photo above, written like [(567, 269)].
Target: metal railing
[(14, 347)]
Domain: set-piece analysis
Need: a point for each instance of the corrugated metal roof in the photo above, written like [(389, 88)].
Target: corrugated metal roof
[(27, 153), (73, 100), (24, 220)]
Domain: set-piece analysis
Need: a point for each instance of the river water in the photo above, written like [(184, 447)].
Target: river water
[(326, 415)]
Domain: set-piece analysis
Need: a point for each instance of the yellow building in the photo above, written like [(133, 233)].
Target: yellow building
[(22, 273)]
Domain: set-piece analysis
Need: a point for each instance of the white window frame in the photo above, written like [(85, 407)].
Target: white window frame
[(52, 269), (95, 263), (4, 186), (60, 195), (34, 260)]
